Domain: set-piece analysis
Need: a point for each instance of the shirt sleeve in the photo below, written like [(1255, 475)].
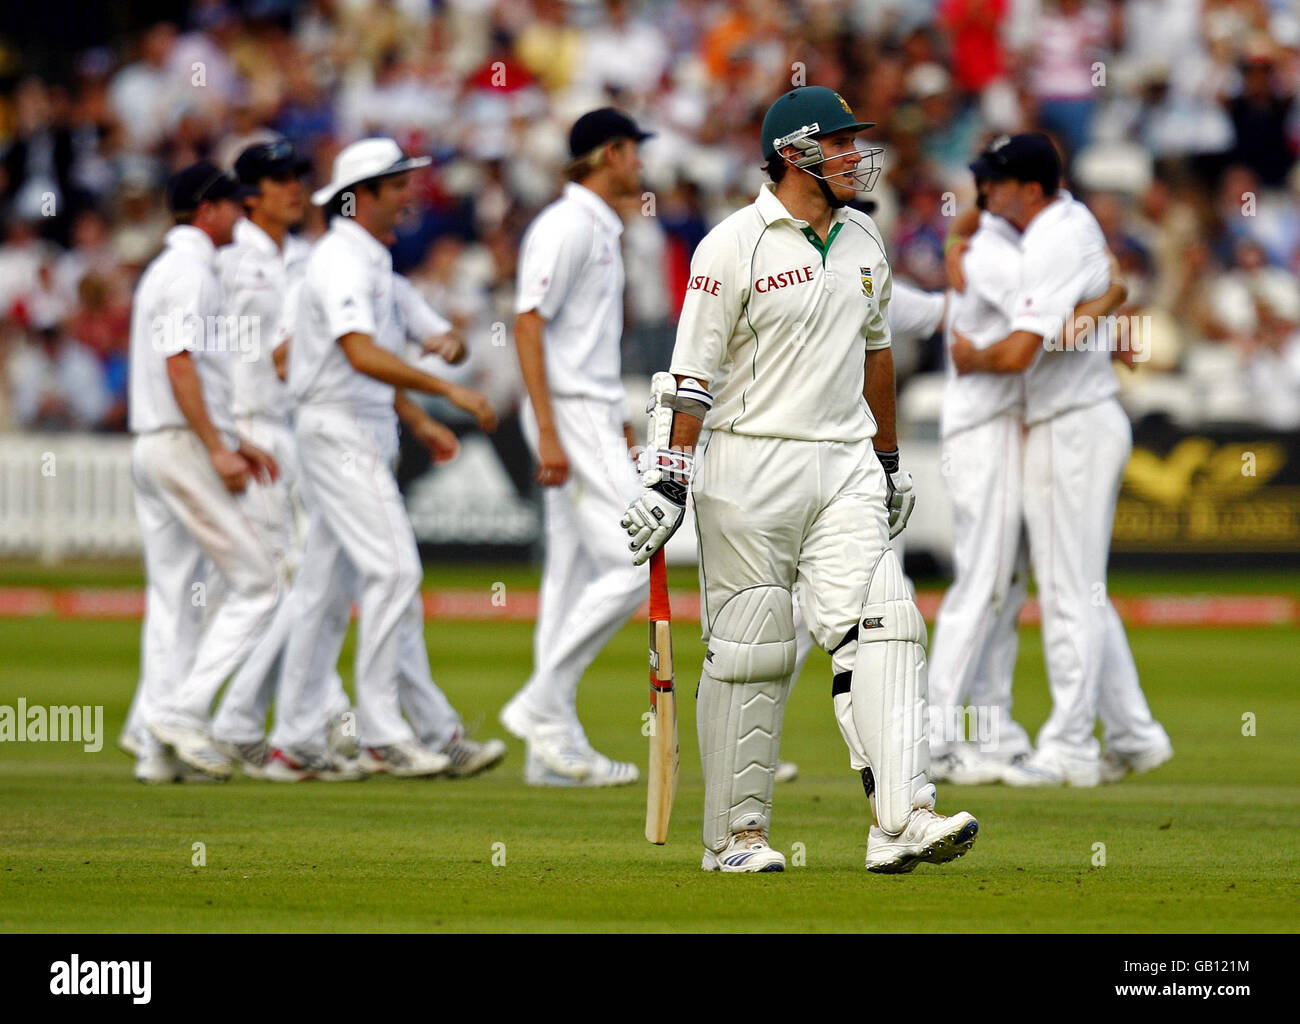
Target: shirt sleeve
[(553, 253), (421, 320), (914, 314), (877, 330), (341, 287), (179, 323), (714, 295), (1048, 292)]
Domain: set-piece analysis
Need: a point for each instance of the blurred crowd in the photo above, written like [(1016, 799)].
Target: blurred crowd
[(1178, 119)]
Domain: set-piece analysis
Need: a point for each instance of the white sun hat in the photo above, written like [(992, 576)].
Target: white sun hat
[(368, 158)]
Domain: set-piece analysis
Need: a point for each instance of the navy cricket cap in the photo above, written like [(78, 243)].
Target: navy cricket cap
[(1027, 157), (203, 182), (276, 159), (600, 126)]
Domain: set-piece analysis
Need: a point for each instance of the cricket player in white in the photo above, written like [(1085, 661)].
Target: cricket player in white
[(914, 315), (188, 465), (1077, 444), (346, 378), (257, 270), (569, 325), (976, 636), (787, 308)]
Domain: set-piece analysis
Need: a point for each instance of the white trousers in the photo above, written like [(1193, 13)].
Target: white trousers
[(1074, 463), (185, 514), (805, 515), (276, 513), (359, 540), (973, 652), (589, 585)]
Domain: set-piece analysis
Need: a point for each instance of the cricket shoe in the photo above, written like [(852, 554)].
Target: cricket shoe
[(551, 745), (1114, 765), (786, 771), (927, 838), (191, 746), (342, 734), (964, 767), (160, 767), (597, 771), (252, 758), (469, 757), (298, 764), (1038, 769), (745, 851), (404, 760), (133, 744)]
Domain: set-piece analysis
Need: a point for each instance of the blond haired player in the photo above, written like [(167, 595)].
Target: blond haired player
[(569, 325), (786, 313)]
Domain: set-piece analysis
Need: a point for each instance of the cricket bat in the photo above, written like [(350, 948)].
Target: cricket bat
[(663, 708)]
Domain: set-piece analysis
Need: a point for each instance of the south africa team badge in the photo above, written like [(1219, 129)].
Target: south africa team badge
[(866, 281)]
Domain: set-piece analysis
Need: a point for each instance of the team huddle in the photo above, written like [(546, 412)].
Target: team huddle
[(268, 505)]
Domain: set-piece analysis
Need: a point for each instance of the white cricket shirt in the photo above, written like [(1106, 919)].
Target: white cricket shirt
[(914, 313), (414, 319), (178, 307), (256, 275), (982, 312), (779, 325), (347, 288), (1063, 263), (571, 273)]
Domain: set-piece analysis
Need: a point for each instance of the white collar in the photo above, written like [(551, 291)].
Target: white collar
[(771, 209), (586, 197), (249, 234), (187, 236), (373, 248)]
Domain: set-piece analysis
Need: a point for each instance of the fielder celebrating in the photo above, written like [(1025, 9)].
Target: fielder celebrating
[(188, 465), (570, 320), (1077, 444), (787, 308), (261, 265), (347, 378)]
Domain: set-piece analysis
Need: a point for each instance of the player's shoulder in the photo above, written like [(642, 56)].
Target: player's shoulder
[(733, 236), (863, 229), (334, 253)]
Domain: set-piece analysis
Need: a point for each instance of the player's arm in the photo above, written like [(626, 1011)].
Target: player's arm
[(680, 399), (425, 326), (1012, 354), (372, 360), (439, 439), (234, 467), (552, 462), (964, 225), (280, 359), (880, 390)]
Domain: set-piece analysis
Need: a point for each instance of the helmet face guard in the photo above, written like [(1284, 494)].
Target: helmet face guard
[(862, 177)]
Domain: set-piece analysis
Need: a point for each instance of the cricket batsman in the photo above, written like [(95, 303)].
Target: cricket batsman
[(798, 488)]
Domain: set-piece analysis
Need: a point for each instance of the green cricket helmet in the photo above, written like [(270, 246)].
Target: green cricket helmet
[(801, 117)]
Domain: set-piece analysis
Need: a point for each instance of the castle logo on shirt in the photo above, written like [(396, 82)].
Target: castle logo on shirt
[(770, 283), (866, 281)]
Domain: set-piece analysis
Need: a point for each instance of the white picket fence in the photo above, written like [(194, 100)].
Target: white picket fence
[(66, 496)]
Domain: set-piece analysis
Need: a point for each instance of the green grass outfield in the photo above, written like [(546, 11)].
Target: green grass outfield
[(1207, 843)]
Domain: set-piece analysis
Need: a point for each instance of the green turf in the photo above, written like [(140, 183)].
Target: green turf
[(1207, 843)]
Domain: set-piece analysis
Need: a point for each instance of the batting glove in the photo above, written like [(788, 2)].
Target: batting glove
[(650, 521), (899, 496)]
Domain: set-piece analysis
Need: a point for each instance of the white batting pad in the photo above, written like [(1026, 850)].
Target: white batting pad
[(888, 695), (739, 709)]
